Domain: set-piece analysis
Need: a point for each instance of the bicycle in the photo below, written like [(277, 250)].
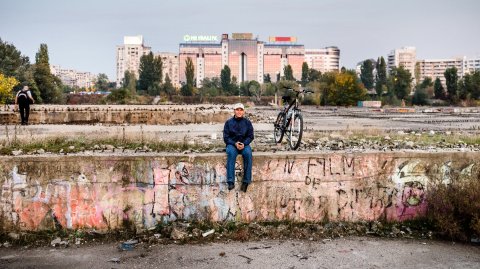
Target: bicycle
[(290, 121)]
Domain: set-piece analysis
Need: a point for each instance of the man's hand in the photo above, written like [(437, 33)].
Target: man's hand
[(239, 145)]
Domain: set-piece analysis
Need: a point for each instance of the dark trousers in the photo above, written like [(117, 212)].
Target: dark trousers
[(232, 153), (24, 112)]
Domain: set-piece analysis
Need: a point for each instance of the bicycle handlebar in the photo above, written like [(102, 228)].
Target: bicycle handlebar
[(303, 90)]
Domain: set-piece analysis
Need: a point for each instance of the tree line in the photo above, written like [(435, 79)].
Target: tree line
[(397, 85), (331, 88), (342, 87), (16, 71)]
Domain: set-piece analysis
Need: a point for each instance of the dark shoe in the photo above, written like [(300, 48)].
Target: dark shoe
[(231, 186), (244, 187)]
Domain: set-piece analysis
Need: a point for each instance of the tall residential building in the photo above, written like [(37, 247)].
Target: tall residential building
[(128, 56), (276, 56), (170, 66), (74, 78), (242, 53), (206, 59), (472, 65), (434, 68), (323, 60), (249, 58), (405, 57)]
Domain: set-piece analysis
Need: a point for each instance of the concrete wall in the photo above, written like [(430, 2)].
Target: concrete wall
[(119, 115), (103, 192)]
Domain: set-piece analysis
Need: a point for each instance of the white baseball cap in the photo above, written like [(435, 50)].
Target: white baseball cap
[(238, 105)]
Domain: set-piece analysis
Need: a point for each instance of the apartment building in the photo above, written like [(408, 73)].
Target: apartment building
[(170, 66), (128, 56), (405, 56), (472, 65), (324, 59), (74, 78), (435, 68)]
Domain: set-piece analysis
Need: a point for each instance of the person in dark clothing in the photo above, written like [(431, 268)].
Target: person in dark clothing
[(237, 135), (22, 100)]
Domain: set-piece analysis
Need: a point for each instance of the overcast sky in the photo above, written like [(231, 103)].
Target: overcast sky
[(82, 35)]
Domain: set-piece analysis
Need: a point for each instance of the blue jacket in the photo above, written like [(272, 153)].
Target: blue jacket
[(238, 130)]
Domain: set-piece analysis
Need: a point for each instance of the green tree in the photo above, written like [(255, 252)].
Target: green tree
[(366, 74), (427, 82), (255, 89), (420, 97), (234, 90), (190, 72), (465, 87), (417, 73), (314, 75), (48, 85), (130, 83), (438, 89), (304, 74), (250, 88), (475, 87), (243, 88), (210, 87), (381, 77), (288, 72), (226, 79), (11, 60), (150, 74), (102, 83), (267, 78), (269, 89), (427, 86), (401, 80), (119, 96), (187, 89), (14, 64), (168, 87), (451, 78), (327, 87), (345, 90)]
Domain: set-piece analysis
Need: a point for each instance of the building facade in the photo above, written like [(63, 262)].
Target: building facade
[(74, 78), (405, 56), (472, 65), (435, 68), (128, 56), (251, 59), (247, 57), (323, 60), (170, 66)]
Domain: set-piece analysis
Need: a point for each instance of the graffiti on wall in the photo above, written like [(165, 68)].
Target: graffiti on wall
[(107, 194)]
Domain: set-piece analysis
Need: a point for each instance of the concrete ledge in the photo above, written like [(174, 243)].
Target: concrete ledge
[(105, 192), (119, 114)]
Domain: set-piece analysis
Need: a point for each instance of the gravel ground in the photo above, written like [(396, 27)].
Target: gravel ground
[(349, 252)]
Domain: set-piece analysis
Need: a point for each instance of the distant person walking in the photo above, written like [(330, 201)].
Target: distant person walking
[(237, 135), (22, 100)]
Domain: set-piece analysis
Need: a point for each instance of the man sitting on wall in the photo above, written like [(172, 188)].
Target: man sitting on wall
[(238, 134)]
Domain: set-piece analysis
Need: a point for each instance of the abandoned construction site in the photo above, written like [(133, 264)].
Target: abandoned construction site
[(153, 175)]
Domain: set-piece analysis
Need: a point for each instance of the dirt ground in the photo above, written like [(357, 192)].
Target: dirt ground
[(316, 119), (349, 252)]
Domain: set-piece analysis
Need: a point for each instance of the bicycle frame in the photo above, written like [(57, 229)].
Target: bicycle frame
[(295, 108), (290, 117)]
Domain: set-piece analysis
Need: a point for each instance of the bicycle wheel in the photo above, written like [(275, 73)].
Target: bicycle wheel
[(279, 130), (295, 131)]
